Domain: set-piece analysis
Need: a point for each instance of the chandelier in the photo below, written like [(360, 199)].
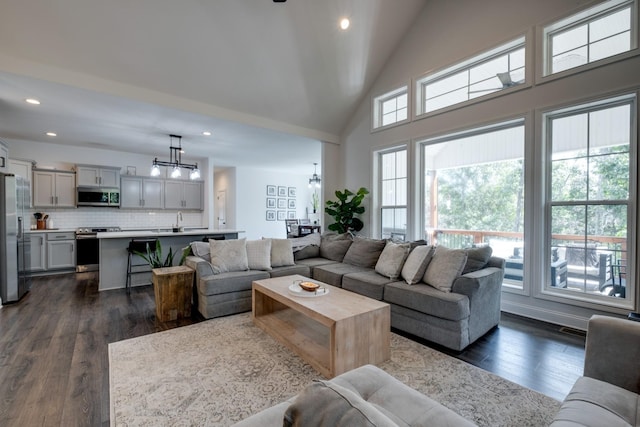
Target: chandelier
[(175, 161), (314, 181)]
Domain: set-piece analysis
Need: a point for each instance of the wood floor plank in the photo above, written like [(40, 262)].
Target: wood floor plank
[(54, 367)]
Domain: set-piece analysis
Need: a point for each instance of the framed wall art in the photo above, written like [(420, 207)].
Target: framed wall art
[(271, 215), (271, 190)]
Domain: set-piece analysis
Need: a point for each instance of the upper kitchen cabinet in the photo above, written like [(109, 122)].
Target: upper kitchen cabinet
[(53, 188), (142, 193), (21, 168), (183, 195), (98, 176), (4, 157)]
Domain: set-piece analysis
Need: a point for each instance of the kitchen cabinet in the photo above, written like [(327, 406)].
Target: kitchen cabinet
[(142, 193), (38, 252), (183, 195), (97, 176), (61, 251), (4, 158), (53, 188)]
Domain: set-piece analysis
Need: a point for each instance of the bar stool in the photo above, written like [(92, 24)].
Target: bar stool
[(138, 245)]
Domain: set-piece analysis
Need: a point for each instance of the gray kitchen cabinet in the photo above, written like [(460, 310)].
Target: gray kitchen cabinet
[(38, 252), (98, 176), (183, 195), (4, 158), (54, 189), (61, 251), (142, 193)]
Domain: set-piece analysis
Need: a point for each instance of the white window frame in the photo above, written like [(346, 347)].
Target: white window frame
[(376, 202), (578, 299), (585, 16), (432, 77), (378, 101)]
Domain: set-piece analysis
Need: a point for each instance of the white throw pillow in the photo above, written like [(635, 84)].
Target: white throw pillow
[(281, 252), (392, 259), (416, 264), (259, 254), (446, 265), (228, 255)]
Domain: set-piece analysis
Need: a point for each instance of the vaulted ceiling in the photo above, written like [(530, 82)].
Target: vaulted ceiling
[(265, 78)]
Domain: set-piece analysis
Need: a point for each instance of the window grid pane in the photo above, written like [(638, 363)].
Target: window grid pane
[(391, 108), (603, 36), (589, 197), (477, 79)]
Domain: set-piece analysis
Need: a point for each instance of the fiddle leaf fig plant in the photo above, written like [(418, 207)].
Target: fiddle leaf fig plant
[(343, 210)]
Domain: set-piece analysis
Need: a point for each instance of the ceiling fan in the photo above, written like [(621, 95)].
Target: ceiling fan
[(505, 79)]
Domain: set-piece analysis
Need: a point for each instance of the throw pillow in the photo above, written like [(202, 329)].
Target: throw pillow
[(334, 246), (364, 252), (259, 254), (302, 242), (311, 251), (324, 403), (416, 264), (281, 253), (201, 249), (392, 259), (477, 258), (228, 255), (445, 266)]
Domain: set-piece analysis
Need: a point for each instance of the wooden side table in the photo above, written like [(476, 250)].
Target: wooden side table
[(172, 287)]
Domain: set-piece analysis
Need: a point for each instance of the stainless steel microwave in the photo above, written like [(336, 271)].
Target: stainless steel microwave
[(90, 196)]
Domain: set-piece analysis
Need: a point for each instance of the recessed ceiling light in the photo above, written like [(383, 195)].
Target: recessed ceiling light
[(344, 23), (32, 101), (206, 133), (52, 134)]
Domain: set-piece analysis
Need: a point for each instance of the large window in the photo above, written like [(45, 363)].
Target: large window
[(589, 197), (492, 71), (393, 194), (474, 193), (591, 35), (390, 108)]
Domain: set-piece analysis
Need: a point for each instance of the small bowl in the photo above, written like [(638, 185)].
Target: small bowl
[(309, 286)]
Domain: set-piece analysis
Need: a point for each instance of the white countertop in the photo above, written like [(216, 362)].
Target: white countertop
[(51, 230), (163, 233)]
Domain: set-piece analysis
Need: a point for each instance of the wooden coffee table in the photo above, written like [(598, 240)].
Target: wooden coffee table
[(334, 333)]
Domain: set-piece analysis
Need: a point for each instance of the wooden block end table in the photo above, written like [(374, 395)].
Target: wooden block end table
[(172, 287)]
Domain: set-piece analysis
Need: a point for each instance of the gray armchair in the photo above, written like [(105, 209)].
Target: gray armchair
[(607, 394)]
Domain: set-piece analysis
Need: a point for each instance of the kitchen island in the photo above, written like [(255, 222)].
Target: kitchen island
[(113, 251)]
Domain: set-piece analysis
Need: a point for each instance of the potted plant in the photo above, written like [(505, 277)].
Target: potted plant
[(343, 210), (154, 258)]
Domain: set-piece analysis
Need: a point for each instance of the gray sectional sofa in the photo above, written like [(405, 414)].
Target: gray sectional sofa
[(607, 395), (365, 396), (449, 297)]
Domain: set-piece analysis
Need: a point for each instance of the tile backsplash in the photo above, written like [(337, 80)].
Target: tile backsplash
[(112, 217)]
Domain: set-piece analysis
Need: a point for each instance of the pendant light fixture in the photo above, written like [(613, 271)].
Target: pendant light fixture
[(175, 161), (314, 181)]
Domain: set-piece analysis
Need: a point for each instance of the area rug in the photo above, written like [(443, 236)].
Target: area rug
[(218, 372)]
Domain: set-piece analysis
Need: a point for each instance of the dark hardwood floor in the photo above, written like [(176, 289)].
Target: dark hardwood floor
[(54, 367)]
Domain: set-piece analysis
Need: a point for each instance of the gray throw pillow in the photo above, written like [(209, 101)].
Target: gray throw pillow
[(281, 253), (228, 255), (416, 264), (259, 254), (477, 258), (334, 246), (326, 404), (445, 266), (364, 252), (392, 259), (201, 250), (311, 251)]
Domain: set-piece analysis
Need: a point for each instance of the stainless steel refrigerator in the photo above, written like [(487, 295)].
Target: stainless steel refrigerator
[(15, 246)]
